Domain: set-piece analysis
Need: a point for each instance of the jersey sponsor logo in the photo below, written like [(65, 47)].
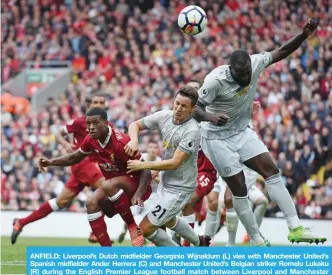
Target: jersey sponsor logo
[(167, 145), (117, 134), (108, 167), (227, 170), (244, 90), (96, 151)]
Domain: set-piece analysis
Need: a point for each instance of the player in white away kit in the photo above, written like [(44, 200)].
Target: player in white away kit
[(150, 155), (221, 196), (181, 139), (255, 196), (227, 140)]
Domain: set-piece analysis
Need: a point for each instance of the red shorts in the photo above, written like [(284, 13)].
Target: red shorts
[(108, 207), (205, 185), (85, 173)]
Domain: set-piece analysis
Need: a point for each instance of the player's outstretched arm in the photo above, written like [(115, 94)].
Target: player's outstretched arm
[(162, 165), (131, 148), (294, 43), (65, 160), (201, 115)]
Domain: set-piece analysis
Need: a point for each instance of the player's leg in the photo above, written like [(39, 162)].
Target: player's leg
[(205, 185), (88, 173), (119, 190), (69, 192), (123, 234), (96, 217), (255, 155), (167, 205), (212, 217), (188, 214), (260, 202), (181, 227), (155, 234), (227, 163), (97, 179), (232, 219)]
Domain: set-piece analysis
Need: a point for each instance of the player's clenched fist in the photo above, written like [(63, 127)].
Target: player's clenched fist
[(310, 26), (42, 163), (131, 148)]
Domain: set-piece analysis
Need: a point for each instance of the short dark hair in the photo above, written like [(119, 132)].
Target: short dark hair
[(96, 111), (189, 92), (239, 58), (198, 81)]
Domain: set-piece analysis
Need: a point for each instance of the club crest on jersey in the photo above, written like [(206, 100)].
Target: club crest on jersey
[(112, 157), (244, 90), (227, 170)]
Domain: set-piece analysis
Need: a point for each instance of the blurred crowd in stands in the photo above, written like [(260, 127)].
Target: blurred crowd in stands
[(136, 57)]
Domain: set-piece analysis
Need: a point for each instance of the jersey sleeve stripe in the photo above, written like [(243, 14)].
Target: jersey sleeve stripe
[(201, 100), (144, 125), (184, 150), (85, 153), (65, 130)]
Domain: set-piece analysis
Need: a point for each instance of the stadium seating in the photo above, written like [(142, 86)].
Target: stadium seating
[(137, 57)]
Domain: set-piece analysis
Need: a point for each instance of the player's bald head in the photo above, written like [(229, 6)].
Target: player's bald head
[(240, 65)]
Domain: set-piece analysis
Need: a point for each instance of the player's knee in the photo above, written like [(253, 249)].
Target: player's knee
[(110, 186), (262, 201), (92, 204), (273, 170), (213, 205), (228, 201), (146, 228), (212, 199), (61, 202)]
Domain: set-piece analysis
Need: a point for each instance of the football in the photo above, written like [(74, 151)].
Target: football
[(192, 20)]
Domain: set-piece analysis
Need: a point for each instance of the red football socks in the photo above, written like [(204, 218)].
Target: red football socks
[(99, 228), (36, 215), (122, 205)]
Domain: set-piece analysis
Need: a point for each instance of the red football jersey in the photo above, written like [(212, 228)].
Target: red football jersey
[(110, 156), (204, 164), (78, 128)]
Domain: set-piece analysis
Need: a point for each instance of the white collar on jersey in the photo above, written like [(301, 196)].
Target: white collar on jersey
[(103, 145), (229, 75)]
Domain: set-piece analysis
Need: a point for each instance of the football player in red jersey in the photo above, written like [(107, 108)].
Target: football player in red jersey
[(86, 173), (106, 146)]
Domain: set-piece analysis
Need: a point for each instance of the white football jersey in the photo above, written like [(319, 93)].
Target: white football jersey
[(221, 94)]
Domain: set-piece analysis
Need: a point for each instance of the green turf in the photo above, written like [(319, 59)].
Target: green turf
[(13, 256)]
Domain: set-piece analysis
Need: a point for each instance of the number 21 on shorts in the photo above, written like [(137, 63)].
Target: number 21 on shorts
[(204, 181), (157, 210)]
